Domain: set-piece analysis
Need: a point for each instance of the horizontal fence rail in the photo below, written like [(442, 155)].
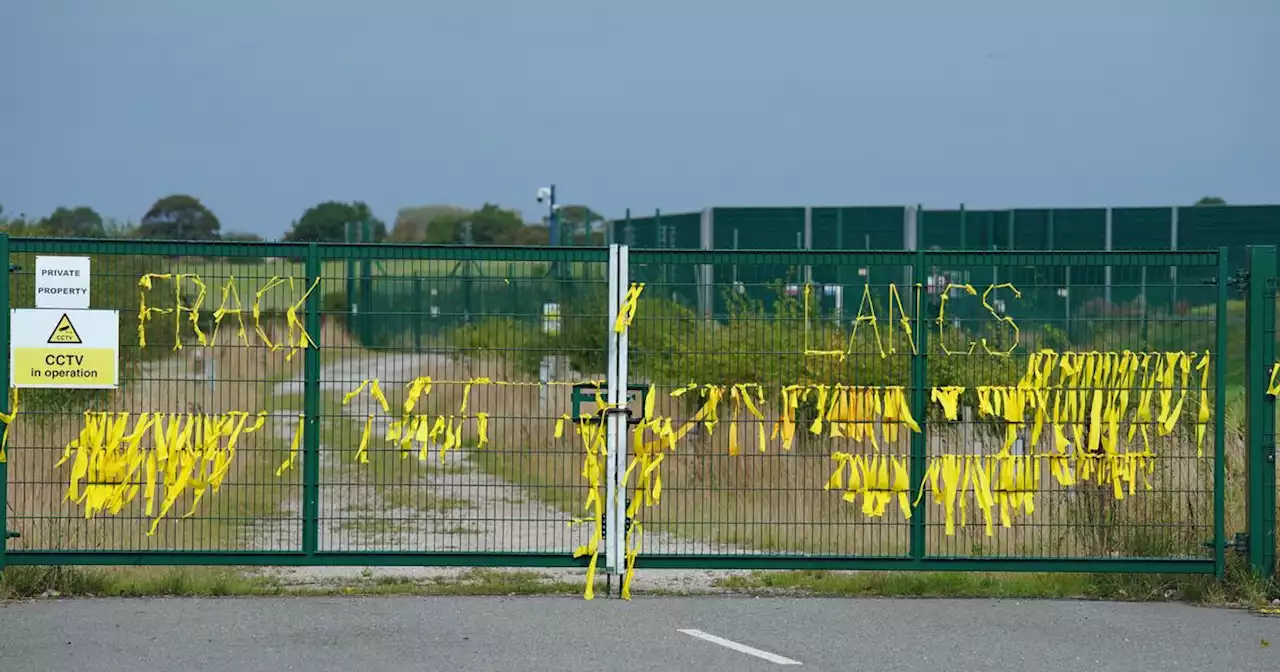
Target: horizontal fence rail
[(361, 404)]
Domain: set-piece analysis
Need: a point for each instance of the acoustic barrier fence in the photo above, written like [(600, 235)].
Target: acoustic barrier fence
[(913, 227), (567, 407)]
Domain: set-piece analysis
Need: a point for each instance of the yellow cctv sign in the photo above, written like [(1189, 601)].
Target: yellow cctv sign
[(68, 349)]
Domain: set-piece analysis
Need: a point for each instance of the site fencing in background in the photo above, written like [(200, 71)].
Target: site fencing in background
[(362, 404), (1032, 229)]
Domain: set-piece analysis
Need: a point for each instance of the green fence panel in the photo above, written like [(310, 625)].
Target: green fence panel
[(1260, 459), (254, 511), (766, 508), (310, 486)]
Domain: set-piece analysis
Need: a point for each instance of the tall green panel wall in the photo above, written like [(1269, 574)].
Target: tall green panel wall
[(755, 229), (682, 231)]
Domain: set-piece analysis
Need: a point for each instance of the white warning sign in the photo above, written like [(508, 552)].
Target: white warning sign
[(69, 349), (62, 282)]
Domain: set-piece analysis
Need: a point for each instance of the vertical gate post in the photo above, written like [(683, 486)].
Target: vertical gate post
[(616, 428), (311, 410), (1219, 421), (919, 403), (4, 398), (1260, 358)]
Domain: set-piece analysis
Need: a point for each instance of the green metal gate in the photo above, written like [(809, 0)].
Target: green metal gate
[(424, 430), (766, 507)]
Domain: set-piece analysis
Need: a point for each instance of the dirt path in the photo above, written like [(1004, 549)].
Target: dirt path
[(427, 506)]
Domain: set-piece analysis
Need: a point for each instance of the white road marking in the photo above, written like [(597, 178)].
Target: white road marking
[(741, 648)]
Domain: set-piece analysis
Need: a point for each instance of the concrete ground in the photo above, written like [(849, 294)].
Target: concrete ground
[(556, 634)]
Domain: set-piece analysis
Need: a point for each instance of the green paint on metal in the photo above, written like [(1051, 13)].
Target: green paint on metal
[(1219, 425), (4, 398), (919, 409), (1260, 467), (457, 313), (311, 409)]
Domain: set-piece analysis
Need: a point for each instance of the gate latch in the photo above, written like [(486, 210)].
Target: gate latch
[(1240, 281)]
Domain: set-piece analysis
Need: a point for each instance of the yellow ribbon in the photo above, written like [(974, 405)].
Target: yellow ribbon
[(627, 311), (8, 419)]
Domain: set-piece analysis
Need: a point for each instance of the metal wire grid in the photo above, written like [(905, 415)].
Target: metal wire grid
[(772, 502), (517, 493), (507, 337), (252, 508)]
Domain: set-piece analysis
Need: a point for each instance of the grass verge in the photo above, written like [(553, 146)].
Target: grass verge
[(60, 582), (1238, 589)]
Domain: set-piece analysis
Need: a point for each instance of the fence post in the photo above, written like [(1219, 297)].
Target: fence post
[(919, 407), (311, 410), (1260, 357), (616, 527), (4, 398), (1219, 422)]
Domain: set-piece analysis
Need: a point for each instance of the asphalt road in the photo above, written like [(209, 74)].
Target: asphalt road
[(375, 634)]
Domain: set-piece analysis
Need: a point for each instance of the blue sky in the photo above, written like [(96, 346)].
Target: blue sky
[(264, 108)]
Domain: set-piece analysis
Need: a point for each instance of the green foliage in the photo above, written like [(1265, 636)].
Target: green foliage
[(179, 217), (489, 225), (520, 342), (79, 222), (411, 223), (579, 225), (327, 222)]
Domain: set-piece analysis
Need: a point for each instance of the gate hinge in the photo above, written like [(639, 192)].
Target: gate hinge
[(10, 534)]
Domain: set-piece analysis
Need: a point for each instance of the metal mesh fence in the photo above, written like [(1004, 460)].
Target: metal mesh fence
[(170, 387), (475, 465), (739, 486), (828, 392)]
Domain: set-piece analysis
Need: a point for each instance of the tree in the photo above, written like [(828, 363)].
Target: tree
[(492, 225), (580, 225), (327, 222), (17, 226), (446, 229), (79, 222), (411, 223), (116, 228), (179, 217), (1211, 200)]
